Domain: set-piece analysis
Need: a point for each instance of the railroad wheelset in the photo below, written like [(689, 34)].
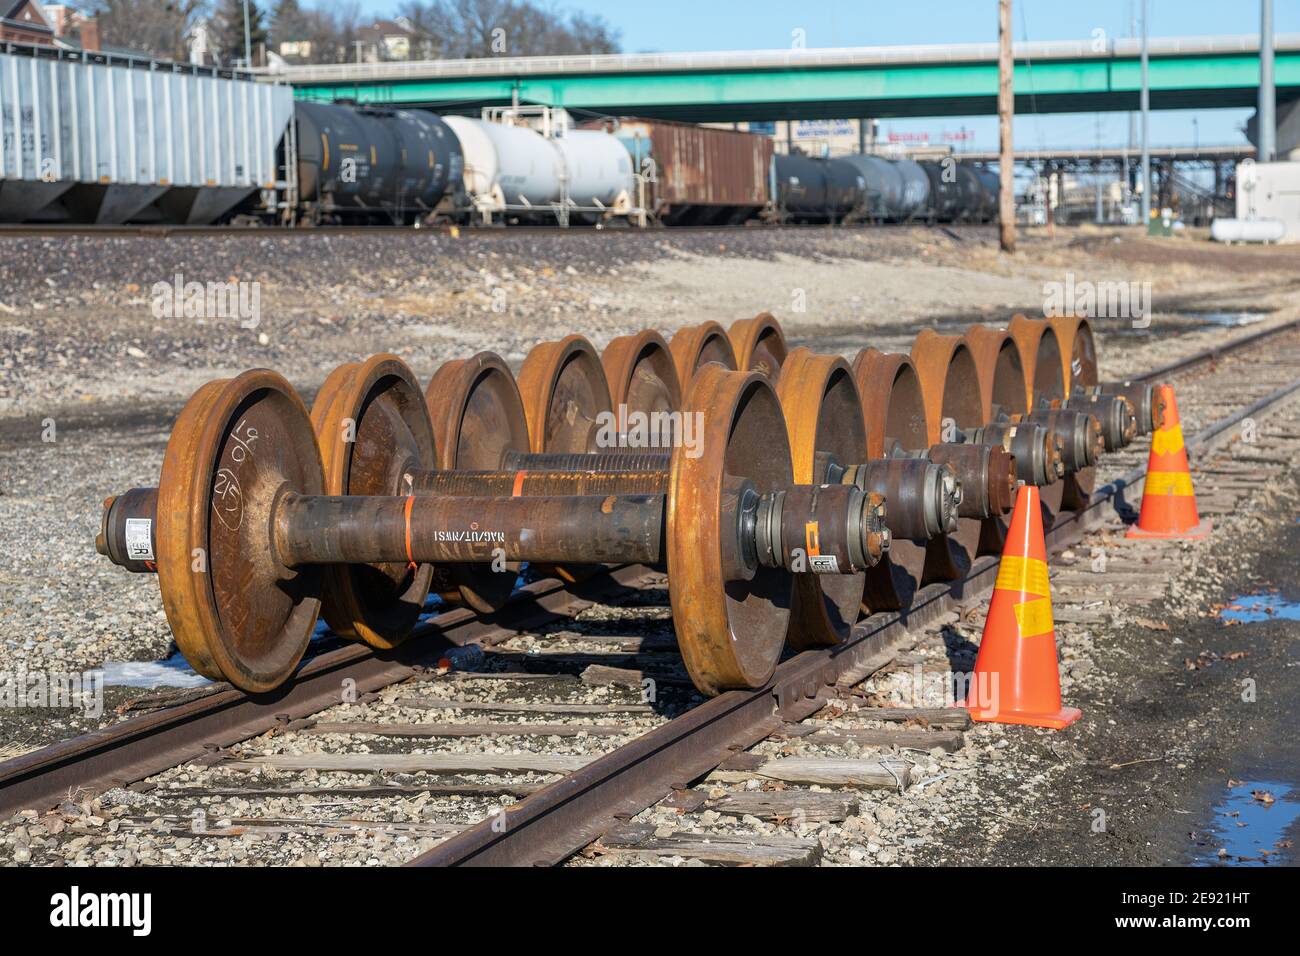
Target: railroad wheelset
[(244, 529), (772, 522)]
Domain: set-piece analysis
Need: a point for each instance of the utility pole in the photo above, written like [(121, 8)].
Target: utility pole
[(1146, 127), (1006, 154), (1267, 132), (248, 40), (1125, 192)]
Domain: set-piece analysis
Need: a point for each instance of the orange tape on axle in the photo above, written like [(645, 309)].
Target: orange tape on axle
[(410, 501)]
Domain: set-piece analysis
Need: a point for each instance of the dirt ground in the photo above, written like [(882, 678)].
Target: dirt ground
[(83, 328), (1160, 742)]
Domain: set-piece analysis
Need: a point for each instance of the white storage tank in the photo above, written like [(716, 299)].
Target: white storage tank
[(508, 167), (598, 167), (1269, 191), (1248, 230), (480, 161)]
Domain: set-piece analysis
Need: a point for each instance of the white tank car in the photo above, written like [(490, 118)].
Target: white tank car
[(508, 166), (599, 169), (481, 167)]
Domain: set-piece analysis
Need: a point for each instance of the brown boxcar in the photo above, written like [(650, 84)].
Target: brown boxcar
[(703, 175)]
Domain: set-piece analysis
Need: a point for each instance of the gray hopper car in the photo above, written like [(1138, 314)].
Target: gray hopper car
[(107, 139)]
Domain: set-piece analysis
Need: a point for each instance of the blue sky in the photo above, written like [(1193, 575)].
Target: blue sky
[(692, 25)]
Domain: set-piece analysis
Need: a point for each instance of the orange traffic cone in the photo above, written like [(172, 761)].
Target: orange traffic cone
[(1016, 680), (1168, 502)]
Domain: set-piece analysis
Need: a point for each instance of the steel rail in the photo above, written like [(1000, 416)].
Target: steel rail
[(142, 746), (156, 231), (1214, 352), (557, 821), (139, 747)]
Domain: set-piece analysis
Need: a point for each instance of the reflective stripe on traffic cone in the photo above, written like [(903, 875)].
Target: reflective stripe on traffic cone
[(1016, 678), (1168, 502)]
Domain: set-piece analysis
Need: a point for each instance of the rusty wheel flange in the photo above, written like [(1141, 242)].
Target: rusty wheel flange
[(565, 395), (1002, 379), (235, 612), (372, 428), (759, 345), (641, 373), (698, 345), (893, 411), (478, 417), (1046, 370), (731, 625), (954, 396), (1077, 341), (566, 400), (823, 414)]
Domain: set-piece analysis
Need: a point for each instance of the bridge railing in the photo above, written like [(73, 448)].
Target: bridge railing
[(774, 59)]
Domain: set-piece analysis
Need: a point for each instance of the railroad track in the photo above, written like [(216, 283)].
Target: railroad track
[(146, 231), (681, 741)]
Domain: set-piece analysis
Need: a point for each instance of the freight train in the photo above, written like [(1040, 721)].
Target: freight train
[(529, 164), (108, 139)]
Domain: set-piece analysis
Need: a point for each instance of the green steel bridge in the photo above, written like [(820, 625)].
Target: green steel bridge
[(956, 80)]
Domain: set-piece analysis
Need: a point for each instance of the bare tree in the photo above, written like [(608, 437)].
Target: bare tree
[(434, 26), (483, 28), (148, 26)]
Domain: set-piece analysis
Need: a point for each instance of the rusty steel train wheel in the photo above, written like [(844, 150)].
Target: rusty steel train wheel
[(759, 344), (373, 428), (954, 396), (1077, 341), (731, 622), (1076, 338), (823, 414), (1042, 357), (1045, 371), (566, 400), (565, 395), (237, 614), (478, 417), (1002, 379), (641, 373), (698, 345), (1002, 376), (893, 412)]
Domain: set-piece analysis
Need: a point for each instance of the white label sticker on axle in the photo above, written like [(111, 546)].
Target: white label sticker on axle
[(823, 564), (139, 539)]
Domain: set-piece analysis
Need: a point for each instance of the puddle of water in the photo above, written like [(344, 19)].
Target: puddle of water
[(1227, 319), (172, 672), (1246, 826), (1260, 607)]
